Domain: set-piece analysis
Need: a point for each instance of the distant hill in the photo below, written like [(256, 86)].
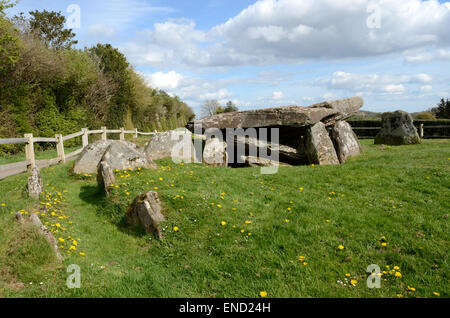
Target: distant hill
[(365, 115)]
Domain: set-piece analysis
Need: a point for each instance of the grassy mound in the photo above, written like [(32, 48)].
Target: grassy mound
[(303, 232)]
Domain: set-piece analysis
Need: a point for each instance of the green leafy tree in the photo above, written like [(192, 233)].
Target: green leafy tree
[(442, 110), (9, 40), (49, 26)]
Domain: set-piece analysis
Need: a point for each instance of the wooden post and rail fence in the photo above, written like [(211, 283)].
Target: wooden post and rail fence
[(29, 140)]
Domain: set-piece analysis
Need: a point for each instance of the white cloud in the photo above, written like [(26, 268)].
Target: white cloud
[(426, 88), (277, 95), (434, 55), (367, 84), (292, 31), (160, 80), (221, 94)]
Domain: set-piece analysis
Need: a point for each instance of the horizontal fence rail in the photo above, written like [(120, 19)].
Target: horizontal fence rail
[(368, 129), (29, 140)]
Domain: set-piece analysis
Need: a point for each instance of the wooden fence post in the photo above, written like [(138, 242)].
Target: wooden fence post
[(135, 133), (421, 131), (85, 137), (29, 150), (104, 137), (60, 148), (122, 134)]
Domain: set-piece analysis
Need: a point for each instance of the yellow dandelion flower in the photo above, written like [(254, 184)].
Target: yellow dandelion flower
[(82, 254), (383, 244), (301, 258), (341, 247), (223, 223), (353, 282), (248, 222), (436, 294), (176, 229), (347, 275), (61, 239), (263, 294), (398, 274)]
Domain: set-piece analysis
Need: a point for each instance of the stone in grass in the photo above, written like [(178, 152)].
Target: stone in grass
[(35, 221), (120, 156), (145, 211), (215, 153), (397, 128), (35, 185), (319, 147), (345, 141), (105, 177)]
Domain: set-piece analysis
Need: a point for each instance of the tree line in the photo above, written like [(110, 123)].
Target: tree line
[(47, 86)]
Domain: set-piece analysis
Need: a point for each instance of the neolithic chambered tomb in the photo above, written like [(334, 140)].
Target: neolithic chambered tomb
[(294, 135)]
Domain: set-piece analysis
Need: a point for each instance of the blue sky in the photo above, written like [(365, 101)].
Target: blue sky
[(393, 53)]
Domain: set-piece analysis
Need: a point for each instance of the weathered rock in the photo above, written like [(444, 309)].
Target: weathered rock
[(345, 141), (92, 154), (295, 116), (35, 185), (318, 146), (35, 221), (267, 150), (175, 144), (215, 153), (146, 211), (397, 128), (261, 162), (119, 155), (105, 176), (90, 157)]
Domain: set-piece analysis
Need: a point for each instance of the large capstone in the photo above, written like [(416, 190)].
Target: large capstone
[(294, 116), (92, 154), (175, 144), (397, 128), (345, 141), (35, 185), (146, 211), (318, 146)]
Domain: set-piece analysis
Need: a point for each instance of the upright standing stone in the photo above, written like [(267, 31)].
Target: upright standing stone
[(318, 146), (397, 128), (105, 176), (175, 144), (146, 211), (345, 141), (215, 153), (35, 185)]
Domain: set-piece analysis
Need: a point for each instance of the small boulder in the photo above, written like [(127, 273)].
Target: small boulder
[(397, 128), (318, 146), (215, 153), (35, 185), (145, 211), (105, 176), (175, 144), (35, 221), (119, 155), (345, 141)]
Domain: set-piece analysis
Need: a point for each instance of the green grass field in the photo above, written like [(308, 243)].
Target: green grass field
[(303, 232)]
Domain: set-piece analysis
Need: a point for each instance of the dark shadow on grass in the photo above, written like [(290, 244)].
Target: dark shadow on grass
[(114, 212)]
